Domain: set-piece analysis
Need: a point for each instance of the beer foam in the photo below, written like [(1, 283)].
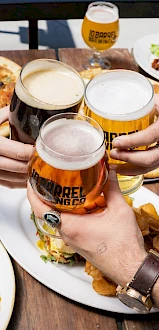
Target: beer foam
[(102, 14), (71, 145), (120, 95), (49, 85)]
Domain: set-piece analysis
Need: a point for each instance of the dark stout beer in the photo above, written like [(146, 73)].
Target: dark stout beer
[(44, 88), (68, 169)]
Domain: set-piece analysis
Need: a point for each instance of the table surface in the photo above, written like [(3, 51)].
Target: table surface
[(37, 307)]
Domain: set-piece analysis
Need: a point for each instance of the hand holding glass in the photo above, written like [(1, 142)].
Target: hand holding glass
[(122, 102)]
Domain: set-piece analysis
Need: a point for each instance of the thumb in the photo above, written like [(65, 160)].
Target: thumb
[(112, 192), (72, 225)]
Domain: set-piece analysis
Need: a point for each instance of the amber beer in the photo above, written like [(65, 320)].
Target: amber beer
[(100, 28), (68, 169), (122, 102), (45, 88)]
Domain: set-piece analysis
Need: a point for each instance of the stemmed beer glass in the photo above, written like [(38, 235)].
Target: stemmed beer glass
[(100, 30)]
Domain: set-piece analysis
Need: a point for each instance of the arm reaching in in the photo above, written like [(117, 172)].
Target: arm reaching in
[(111, 240)]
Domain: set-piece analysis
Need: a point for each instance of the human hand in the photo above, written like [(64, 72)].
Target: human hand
[(111, 240), (137, 162), (14, 157)]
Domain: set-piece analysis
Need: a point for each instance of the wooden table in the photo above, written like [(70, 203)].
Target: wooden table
[(34, 10), (39, 308)]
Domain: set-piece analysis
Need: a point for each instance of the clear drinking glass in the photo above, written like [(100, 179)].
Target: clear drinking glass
[(100, 30), (68, 168), (122, 102)]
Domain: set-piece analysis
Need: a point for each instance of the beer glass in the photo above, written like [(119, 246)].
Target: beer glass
[(45, 87), (68, 169), (122, 102), (100, 30)]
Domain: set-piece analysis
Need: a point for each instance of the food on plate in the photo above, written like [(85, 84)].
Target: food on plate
[(156, 242), (155, 64), (148, 222), (149, 209), (55, 249), (9, 72), (4, 129), (152, 174), (100, 284), (154, 49), (105, 287)]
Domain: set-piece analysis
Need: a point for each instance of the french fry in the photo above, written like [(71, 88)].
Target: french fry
[(93, 271), (142, 221), (150, 209), (156, 243), (104, 287)]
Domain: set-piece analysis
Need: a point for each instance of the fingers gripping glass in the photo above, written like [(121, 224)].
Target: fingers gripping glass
[(68, 168)]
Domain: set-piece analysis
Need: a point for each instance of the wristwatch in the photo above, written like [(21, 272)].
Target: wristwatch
[(137, 293)]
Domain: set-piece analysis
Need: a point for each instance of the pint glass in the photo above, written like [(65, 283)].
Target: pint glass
[(68, 169), (45, 87), (122, 102)]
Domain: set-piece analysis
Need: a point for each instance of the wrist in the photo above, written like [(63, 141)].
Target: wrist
[(141, 293), (128, 269)]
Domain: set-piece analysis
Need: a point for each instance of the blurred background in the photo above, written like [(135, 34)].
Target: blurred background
[(67, 33)]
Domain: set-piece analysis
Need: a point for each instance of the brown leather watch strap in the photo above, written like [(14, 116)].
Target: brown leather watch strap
[(147, 274)]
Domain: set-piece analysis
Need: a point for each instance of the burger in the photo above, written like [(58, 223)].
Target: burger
[(55, 250)]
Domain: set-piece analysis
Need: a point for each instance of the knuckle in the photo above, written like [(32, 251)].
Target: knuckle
[(20, 154), (151, 160), (24, 153), (152, 135), (72, 231), (125, 156), (23, 168), (130, 140), (72, 234)]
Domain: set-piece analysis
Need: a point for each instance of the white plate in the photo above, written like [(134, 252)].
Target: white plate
[(7, 288), (143, 56), (18, 235)]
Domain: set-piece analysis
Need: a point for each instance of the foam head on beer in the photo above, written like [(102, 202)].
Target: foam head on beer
[(70, 145), (48, 85), (120, 95), (102, 14)]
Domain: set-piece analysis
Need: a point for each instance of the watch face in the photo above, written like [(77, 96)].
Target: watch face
[(133, 303)]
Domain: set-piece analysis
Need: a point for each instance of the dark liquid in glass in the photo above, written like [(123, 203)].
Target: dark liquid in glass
[(25, 120)]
